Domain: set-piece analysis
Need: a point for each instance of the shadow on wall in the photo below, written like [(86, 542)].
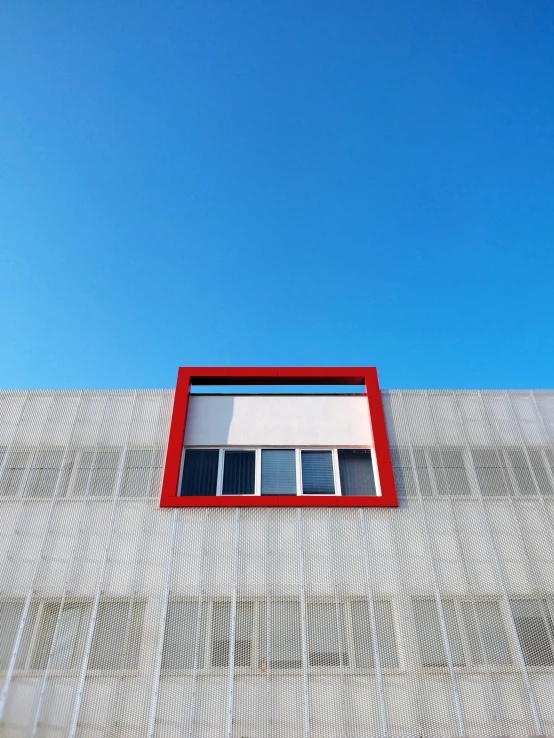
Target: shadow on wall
[(209, 420)]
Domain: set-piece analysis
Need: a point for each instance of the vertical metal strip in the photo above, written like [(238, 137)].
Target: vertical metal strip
[(535, 481), (232, 631), (438, 600), (27, 606), (161, 634), (339, 614), (303, 629), (547, 441), (494, 690), (271, 522), (69, 570), (199, 659), (546, 434), (373, 628), (96, 604), (502, 586)]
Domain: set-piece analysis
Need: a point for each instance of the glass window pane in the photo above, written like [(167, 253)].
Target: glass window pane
[(200, 473), (238, 473), (491, 471), (521, 470), (185, 632), (117, 635), (104, 473), (317, 473), (137, 473), (70, 636), (44, 473), (430, 637), (422, 471), (534, 630), (10, 616), (386, 638), (278, 472), (485, 633), (361, 634), (280, 642), (356, 472), (221, 631), (324, 648)]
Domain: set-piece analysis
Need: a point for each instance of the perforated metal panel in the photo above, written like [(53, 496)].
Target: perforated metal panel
[(118, 618)]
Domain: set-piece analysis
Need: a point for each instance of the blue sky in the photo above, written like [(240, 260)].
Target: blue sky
[(277, 183)]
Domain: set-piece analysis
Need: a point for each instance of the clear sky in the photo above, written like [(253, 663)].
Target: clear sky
[(269, 182)]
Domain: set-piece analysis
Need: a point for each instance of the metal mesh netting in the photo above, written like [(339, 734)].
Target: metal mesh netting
[(120, 619)]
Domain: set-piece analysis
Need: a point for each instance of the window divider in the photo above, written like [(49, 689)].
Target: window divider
[(219, 485), (258, 472), (298, 459), (336, 472)]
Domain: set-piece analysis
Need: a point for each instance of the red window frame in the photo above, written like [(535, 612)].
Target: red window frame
[(188, 376)]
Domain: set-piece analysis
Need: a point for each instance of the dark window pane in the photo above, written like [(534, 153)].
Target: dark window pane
[(430, 637), (185, 634), (238, 473), (535, 632), (200, 473), (325, 623), (356, 473), (280, 635), (317, 473), (278, 472), (221, 627)]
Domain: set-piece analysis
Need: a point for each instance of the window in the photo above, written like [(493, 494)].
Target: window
[(284, 471), (449, 470), (522, 473), (278, 472), (117, 635), (185, 635), (280, 636), (403, 471), (13, 475), (238, 473), (361, 634), (325, 648), (95, 472), (438, 471), (534, 627), (200, 472), (317, 473), (542, 461), (510, 470), (491, 471), (37, 643), (44, 473), (268, 635), (475, 630), (356, 472), (137, 472), (55, 635), (221, 633)]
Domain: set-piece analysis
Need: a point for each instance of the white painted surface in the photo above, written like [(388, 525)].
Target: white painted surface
[(284, 420)]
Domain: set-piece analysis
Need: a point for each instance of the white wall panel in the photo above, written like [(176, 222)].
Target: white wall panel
[(310, 420)]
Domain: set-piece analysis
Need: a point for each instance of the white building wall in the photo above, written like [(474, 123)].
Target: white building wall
[(278, 420), (83, 542)]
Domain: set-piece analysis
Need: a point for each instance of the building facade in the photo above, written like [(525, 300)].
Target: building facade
[(120, 617)]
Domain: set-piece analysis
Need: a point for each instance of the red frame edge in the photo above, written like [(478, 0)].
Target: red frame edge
[(186, 376)]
